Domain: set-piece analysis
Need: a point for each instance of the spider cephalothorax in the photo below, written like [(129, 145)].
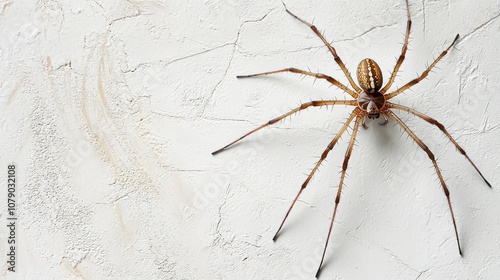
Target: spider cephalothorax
[(370, 100)]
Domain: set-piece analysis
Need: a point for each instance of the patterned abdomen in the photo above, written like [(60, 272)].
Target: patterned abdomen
[(369, 75)]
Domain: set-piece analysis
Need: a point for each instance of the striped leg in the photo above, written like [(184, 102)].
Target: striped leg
[(423, 75), (342, 176), (443, 129), (323, 156), (301, 107), (307, 73), (403, 52), (332, 51), (432, 158)]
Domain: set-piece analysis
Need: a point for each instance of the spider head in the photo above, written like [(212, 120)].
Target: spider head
[(372, 104), (369, 75), (372, 110)]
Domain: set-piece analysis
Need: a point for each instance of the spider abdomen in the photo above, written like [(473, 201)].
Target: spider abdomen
[(369, 75)]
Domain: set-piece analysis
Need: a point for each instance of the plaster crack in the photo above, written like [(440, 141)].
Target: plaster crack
[(235, 43), (230, 119), (98, 4), (198, 53), (424, 20), (139, 13), (116, 199), (187, 170), (217, 227), (142, 64), (421, 273), (314, 208), (392, 255), (366, 32), (482, 26)]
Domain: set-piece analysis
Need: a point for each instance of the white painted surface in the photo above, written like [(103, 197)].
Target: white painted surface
[(111, 110)]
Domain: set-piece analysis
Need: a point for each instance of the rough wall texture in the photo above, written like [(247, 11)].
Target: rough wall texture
[(110, 110)]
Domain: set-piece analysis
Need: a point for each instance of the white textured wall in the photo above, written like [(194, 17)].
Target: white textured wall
[(110, 109)]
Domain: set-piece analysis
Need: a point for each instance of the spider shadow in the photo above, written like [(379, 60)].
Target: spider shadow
[(383, 134), (294, 225), (293, 222), (331, 258)]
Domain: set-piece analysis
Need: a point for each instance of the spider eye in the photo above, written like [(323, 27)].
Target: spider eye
[(369, 75)]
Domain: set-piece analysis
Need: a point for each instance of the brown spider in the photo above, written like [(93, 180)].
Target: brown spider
[(370, 100)]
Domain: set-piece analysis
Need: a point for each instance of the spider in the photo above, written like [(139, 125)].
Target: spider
[(370, 100)]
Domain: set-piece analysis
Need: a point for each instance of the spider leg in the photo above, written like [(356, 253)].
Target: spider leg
[(423, 75), (403, 52), (385, 120), (301, 107), (323, 156), (316, 75), (443, 129), (342, 176), (330, 48), (363, 123), (432, 158)]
